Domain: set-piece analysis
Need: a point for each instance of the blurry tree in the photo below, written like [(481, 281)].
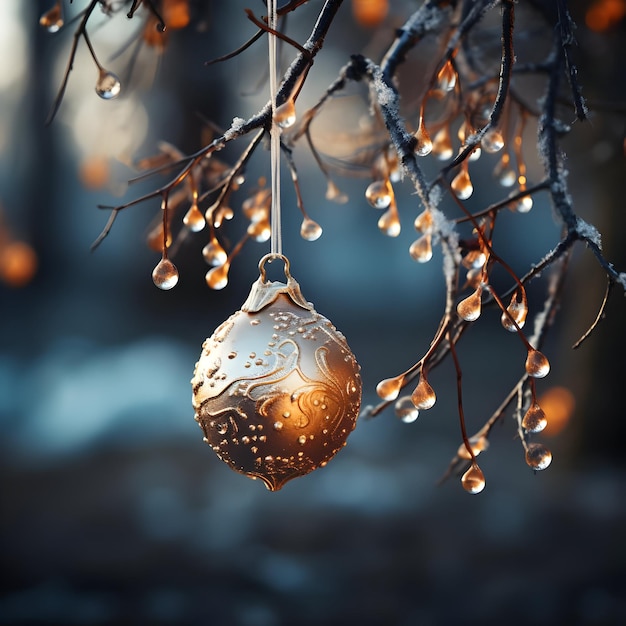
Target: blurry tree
[(460, 88)]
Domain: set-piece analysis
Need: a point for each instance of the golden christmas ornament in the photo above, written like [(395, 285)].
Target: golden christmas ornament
[(276, 390)]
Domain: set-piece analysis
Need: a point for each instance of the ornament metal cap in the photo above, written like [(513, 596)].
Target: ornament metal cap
[(263, 293)]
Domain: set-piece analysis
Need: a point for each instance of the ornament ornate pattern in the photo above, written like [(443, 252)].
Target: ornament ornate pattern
[(277, 389)]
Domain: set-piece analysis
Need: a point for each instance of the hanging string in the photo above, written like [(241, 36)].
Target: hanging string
[(276, 235)]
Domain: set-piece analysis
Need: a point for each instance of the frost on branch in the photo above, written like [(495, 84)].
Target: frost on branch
[(447, 101)]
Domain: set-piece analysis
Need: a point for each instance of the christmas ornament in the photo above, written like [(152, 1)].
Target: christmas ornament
[(276, 390)]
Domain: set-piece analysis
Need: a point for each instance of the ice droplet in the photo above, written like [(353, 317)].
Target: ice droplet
[(446, 77), (469, 309), (442, 144), (424, 395), (507, 177), (217, 277), (213, 253), (260, 231), (405, 410), (534, 421), (194, 219), (524, 204), (223, 213), (492, 141), (473, 481), (517, 310), (424, 145), (108, 85), (475, 154), (474, 277), (165, 274), (462, 185), (335, 194), (389, 223), (285, 114), (52, 20), (389, 388), (538, 456), (424, 222), (310, 230), (474, 259), (478, 445), (421, 250), (257, 206), (537, 365), (379, 194)]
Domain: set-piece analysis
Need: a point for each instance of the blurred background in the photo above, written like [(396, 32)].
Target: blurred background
[(113, 510)]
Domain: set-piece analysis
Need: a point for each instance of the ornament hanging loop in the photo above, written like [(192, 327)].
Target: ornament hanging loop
[(268, 258)]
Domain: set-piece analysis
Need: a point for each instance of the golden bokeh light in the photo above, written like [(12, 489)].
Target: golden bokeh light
[(558, 404), (18, 263)]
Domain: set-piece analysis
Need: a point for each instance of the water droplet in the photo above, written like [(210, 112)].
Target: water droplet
[(424, 222), (278, 425), (194, 219), (469, 309), (285, 114), (474, 277), (492, 141), (462, 185), (424, 145), (213, 253), (334, 194), (222, 428), (389, 388), (421, 249), (257, 206), (310, 230), (217, 277), (405, 410), (503, 171), (302, 439), (389, 222), (538, 456), (474, 154), (518, 310), (537, 365), (446, 77), (524, 204), (260, 231), (424, 395), (220, 214), (473, 480), (52, 20), (165, 274), (108, 85), (478, 445), (474, 259), (534, 420), (379, 194), (442, 144)]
